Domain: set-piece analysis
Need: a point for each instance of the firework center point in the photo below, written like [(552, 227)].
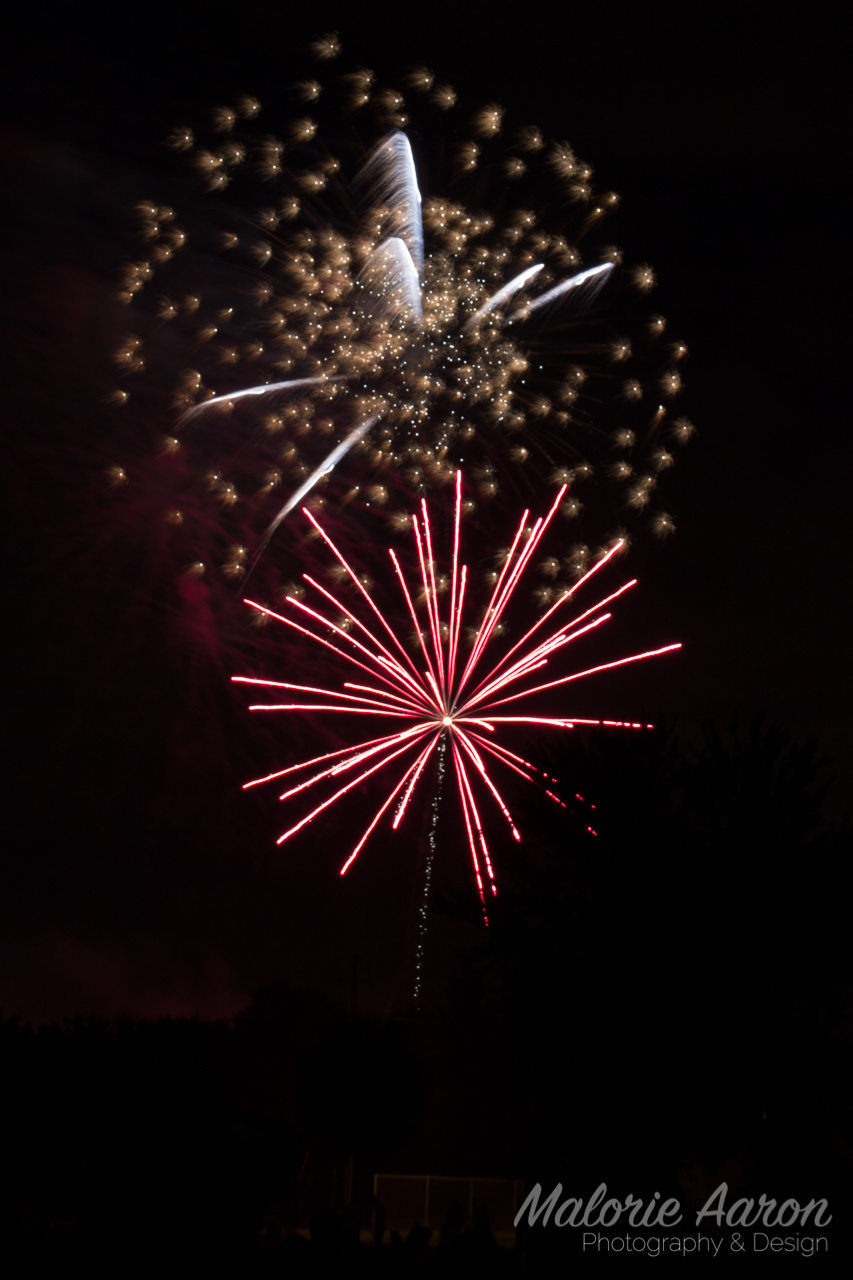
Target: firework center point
[(447, 721)]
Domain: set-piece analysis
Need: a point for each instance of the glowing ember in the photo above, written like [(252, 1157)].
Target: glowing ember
[(440, 697), (380, 287)]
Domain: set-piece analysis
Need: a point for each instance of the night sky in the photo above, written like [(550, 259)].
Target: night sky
[(136, 876)]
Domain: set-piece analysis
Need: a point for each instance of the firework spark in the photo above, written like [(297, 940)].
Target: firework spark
[(438, 324), (359, 336), (440, 700)]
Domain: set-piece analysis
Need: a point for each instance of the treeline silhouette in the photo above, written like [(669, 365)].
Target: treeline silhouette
[(661, 1002)]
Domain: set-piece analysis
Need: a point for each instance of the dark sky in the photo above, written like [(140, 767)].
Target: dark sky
[(130, 881)]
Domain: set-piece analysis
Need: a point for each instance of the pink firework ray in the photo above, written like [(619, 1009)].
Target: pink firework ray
[(441, 694)]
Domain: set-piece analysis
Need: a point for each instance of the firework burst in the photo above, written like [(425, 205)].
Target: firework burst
[(443, 700), (317, 325)]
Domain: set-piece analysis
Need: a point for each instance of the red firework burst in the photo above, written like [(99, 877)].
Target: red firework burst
[(443, 695)]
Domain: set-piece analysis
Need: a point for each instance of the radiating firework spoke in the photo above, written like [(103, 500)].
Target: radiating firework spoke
[(264, 391), (398, 817), (481, 769), (590, 671), (349, 697), (305, 764), (356, 581), (412, 772), (592, 280), (504, 294), (436, 704), (392, 755), (326, 466), (563, 600), (467, 796), (363, 753), (538, 658)]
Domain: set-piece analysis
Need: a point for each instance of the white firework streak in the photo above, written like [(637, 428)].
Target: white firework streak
[(325, 467), (263, 389), (390, 170), (593, 277), (390, 280)]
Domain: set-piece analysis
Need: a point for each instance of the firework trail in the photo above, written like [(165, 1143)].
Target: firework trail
[(348, 317), (423, 909), (441, 701)]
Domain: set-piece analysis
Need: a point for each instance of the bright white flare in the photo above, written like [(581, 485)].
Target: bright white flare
[(503, 295), (598, 275), (390, 171), (390, 281)]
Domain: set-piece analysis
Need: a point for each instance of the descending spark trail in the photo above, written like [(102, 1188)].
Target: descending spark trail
[(430, 860), (440, 705)]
